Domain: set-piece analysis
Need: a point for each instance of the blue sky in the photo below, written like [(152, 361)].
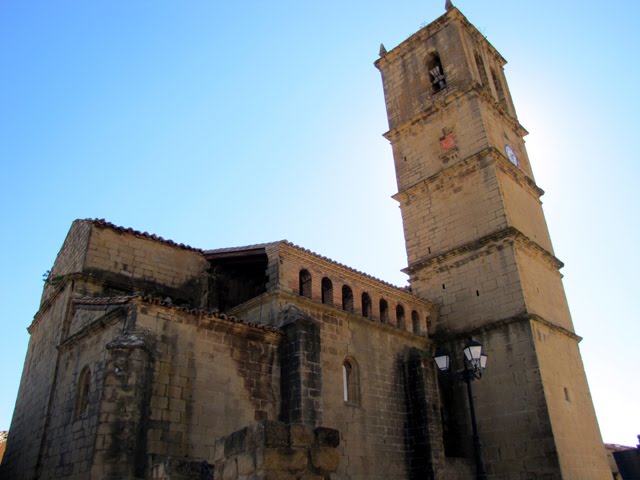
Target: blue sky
[(229, 123)]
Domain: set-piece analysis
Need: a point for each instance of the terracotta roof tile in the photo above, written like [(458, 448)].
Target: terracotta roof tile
[(102, 223), (119, 300)]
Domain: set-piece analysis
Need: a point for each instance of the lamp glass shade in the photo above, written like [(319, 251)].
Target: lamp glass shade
[(473, 351), (483, 361), (442, 361)]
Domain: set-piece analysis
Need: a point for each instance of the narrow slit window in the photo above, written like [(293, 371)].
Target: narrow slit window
[(347, 298), (327, 291), (82, 392), (384, 311), (350, 382), (400, 316), (305, 284), (481, 70), (415, 322), (366, 305), (499, 90)]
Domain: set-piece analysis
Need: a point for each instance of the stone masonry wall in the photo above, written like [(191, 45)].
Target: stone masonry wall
[(30, 417), (211, 376), (292, 260), (461, 205), (70, 258), (70, 438), (513, 421), (376, 426), (277, 451), (132, 262), (576, 433), (483, 281)]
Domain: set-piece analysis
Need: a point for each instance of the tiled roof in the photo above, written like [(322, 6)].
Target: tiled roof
[(102, 223), (256, 246), (123, 299)]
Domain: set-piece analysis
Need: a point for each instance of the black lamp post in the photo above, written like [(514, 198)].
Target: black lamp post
[(474, 363)]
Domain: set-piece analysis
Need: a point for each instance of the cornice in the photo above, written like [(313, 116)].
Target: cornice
[(508, 233), (341, 269), (525, 317), (442, 21), (284, 297), (490, 152), (443, 101)]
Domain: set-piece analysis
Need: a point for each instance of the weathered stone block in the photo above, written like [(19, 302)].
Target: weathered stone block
[(325, 458), (301, 435), (282, 459), (327, 437), (246, 463), (230, 469)]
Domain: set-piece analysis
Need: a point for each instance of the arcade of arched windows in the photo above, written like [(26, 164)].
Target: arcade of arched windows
[(363, 304)]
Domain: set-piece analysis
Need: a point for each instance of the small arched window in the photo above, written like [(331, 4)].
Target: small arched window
[(436, 72), (400, 316), (499, 90), (366, 305), (305, 283), (350, 382), (327, 291), (415, 322), (82, 392), (384, 311), (347, 298), (481, 70)]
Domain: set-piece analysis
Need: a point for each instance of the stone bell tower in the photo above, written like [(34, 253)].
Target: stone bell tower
[(478, 245)]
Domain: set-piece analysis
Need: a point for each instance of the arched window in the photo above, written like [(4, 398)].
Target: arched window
[(350, 381), (415, 322), (347, 298), (436, 72), (82, 392), (400, 316), (384, 311), (366, 305), (481, 70), (499, 90), (305, 284), (327, 291)]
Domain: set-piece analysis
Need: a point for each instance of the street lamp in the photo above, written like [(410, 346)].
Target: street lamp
[(474, 362)]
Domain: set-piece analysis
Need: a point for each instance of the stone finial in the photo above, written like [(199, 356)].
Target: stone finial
[(448, 5), (383, 51)]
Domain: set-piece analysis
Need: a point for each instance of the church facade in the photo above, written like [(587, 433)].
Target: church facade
[(154, 360)]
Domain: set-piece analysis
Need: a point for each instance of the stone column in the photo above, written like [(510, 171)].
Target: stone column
[(301, 372), (124, 409), (423, 432)]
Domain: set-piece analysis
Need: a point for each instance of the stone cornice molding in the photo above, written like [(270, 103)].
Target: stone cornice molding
[(439, 23), (492, 153), (509, 233), (525, 317), (287, 298), (442, 101), (360, 278)]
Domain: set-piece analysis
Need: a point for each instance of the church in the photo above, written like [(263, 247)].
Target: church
[(150, 359)]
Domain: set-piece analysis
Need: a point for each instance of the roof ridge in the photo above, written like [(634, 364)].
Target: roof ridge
[(102, 223)]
